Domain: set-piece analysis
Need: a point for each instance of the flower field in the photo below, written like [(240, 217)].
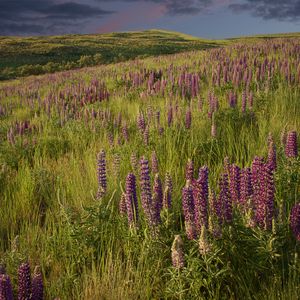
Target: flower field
[(173, 177)]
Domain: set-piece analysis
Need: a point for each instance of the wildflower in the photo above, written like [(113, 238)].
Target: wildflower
[(177, 253)]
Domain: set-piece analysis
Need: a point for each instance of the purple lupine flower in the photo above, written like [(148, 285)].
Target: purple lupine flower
[(146, 196), (189, 171), (146, 136), (116, 165), (37, 285), (122, 205), (24, 282), (177, 253), (250, 100), (235, 180), (170, 115), (188, 118), (291, 147), (134, 161), (101, 172), (272, 153), (295, 221), (125, 132), (154, 163), (200, 196), (246, 187), (244, 101), (6, 292), (167, 199), (225, 200), (157, 197), (265, 204), (141, 123), (131, 200), (188, 210)]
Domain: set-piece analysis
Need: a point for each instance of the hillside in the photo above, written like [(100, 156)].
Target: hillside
[(22, 56)]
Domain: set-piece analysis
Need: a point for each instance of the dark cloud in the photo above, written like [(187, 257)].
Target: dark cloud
[(174, 7), (281, 10), (45, 16)]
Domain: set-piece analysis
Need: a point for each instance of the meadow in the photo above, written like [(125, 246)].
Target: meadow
[(170, 177)]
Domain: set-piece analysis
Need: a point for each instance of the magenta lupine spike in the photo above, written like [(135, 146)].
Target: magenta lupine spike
[(125, 132), (291, 147), (225, 200), (234, 182), (154, 163), (188, 119), (141, 122), (177, 253), (244, 101), (134, 161), (146, 136), (200, 196), (146, 196), (295, 221), (157, 198), (122, 205), (188, 210), (37, 285), (170, 115), (167, 199), (6, 292), (101, 172), (246, 187), (24, 282), (272, 153), (189, 171), (131, 200)]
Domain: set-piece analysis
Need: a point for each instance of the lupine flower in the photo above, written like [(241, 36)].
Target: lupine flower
[(6, 292), (125, 132), (188, 119), (116, 165), (170, 115), (295, 221), (131, 200), (200, 196), (146, 196), (244, 101), (154, 163), (134, 161), (37, 285), (291, 147), (141, 122), (225, 200), (167, 199), (146, 136), (188, 210), (122, 204), (246, 186), (177, 253), (283, 137), (101, 172), (24, 282), (204, 245), (189, 172)]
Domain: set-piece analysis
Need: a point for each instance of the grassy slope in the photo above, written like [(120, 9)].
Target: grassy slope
[(16, 52)]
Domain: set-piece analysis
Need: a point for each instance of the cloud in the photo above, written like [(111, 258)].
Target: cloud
[(287, 10), (45, 16)]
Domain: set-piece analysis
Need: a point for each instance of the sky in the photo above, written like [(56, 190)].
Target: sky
[(202, 18)]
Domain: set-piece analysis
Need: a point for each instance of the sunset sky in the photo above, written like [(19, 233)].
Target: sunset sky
[(203, 18)]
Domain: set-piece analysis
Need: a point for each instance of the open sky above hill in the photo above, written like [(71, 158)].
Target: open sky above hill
[(205, 18)]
